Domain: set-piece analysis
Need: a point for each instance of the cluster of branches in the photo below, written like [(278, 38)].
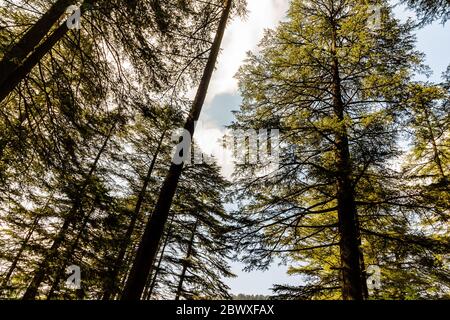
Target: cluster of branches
[(86, 119), (365, 163), (86, 170)]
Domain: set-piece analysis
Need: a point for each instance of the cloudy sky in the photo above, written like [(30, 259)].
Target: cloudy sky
[(243, 36)]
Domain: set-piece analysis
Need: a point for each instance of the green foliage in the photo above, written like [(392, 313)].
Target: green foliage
[(292, 213), (430, 10), (85, 146), (78, 135)]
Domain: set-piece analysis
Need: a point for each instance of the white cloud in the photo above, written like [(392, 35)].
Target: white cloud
[(243, 35), (209, 137), (211, 141)]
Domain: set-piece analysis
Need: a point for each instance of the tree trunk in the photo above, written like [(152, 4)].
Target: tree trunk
[(153, 233), (350, 251), (22, 70), (19, 51), (69, 253), (19, 254), (362, 263), (154, 276), (32, 290), (117, 266), (186, 262), (436, 157)]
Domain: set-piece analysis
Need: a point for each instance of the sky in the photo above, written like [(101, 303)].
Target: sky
[(243, 35)]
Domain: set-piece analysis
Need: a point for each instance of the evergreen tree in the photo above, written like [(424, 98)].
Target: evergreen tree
[(87, 176), (332, 83), (148, 247), (68, 103), (193, 264)]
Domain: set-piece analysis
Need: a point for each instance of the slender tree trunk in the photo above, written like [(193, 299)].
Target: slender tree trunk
[(186, 262), (365, 288), (153, 233), (69, 253), (22, 70), (350, 251), (32, 290), (129, 257), (19, 51), (154, 276), (21, 250), (117, 266), (436, 157)]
